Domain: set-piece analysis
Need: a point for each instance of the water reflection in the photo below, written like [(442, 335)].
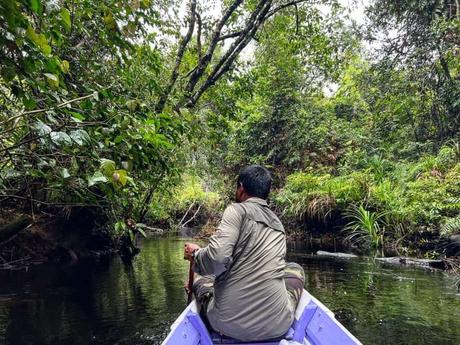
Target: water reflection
[(95, 303), (386, 305), (108, 302)]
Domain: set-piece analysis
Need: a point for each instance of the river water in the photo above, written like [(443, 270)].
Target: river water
[(109, 302)]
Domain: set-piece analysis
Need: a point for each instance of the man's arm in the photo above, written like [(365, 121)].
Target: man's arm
[(217, 255)]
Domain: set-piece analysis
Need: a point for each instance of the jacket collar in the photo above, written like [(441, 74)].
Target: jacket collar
[(257, 201)]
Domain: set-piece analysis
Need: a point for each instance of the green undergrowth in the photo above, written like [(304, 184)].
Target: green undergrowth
[(190, 203), (383, 200)]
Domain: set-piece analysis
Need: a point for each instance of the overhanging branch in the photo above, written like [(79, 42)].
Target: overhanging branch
[(180, 54)]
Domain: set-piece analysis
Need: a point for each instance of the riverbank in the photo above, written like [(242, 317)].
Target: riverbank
[(41, 238), (196, 213)]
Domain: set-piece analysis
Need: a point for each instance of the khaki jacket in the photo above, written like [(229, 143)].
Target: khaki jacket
[(247, 256)]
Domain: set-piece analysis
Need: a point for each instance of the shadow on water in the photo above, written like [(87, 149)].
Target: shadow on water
[(109, 302)]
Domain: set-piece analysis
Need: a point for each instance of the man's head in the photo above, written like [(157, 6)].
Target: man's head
[(253, 181)]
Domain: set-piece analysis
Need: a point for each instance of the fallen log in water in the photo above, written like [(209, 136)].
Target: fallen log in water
[(336, 255), (150, 230), (404, 261)]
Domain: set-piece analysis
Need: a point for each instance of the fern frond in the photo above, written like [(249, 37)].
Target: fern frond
[(451, 226), (452, 204)]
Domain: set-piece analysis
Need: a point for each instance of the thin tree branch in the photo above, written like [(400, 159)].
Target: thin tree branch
[(231, 35), (61, 105), (186, 213), (192, 218), (206, 59), (281, 7), (297, 19), (180, 54), (198, 35), (262, 12), (224, 64), (11, 196)]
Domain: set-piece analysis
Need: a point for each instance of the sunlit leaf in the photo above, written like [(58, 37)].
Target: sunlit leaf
[(65, 173), (65, 66), (80, 136), (39, 40), (60, 138), (120, 226), (65, 16), (120, 176), (52, 80), (36, 6), (98, 177), (77, 117), (42, 129), (107, 167)]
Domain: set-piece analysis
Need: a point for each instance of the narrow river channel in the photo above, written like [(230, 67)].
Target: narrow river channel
[(108, 302)]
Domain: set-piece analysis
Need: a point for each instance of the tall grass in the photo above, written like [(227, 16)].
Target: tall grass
[(365, 228)]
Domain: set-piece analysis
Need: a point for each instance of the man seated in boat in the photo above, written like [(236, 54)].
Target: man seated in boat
[(245, 288)]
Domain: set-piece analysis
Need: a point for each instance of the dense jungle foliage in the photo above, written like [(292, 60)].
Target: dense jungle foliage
[(143, 111)]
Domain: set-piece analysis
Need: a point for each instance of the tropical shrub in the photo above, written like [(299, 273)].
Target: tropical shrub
[(414, 196), (365, 228)]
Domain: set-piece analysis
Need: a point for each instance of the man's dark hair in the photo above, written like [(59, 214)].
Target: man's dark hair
[(256, 180)]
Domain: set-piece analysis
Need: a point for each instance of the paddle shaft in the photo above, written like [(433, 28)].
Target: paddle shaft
[(190, 283)]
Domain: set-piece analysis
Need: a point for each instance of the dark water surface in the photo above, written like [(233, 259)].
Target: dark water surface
[(109, 302)]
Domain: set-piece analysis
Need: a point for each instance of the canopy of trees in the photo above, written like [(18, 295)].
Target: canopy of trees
[(105, 104)]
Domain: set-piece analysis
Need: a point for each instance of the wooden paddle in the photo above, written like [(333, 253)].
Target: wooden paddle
[(190, 284)]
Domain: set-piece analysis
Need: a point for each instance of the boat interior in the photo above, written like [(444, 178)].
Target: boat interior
[(314, 324)]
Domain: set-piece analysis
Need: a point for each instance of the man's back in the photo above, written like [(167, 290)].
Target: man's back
[(247, 255)]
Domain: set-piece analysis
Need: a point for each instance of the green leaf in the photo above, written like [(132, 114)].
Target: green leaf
[(96, 178), (60, 138), (42, 129), (65, 173), (29, 103), (86, 105), (120, 227), (132, 235), (80, 136), (107, 167), (52, 80), (36, 6), (77, 117), (118, 139), (65, 66), (53, 65), (39, 40), (56, 37), (120, 176), (30, 65), (65, 16)]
